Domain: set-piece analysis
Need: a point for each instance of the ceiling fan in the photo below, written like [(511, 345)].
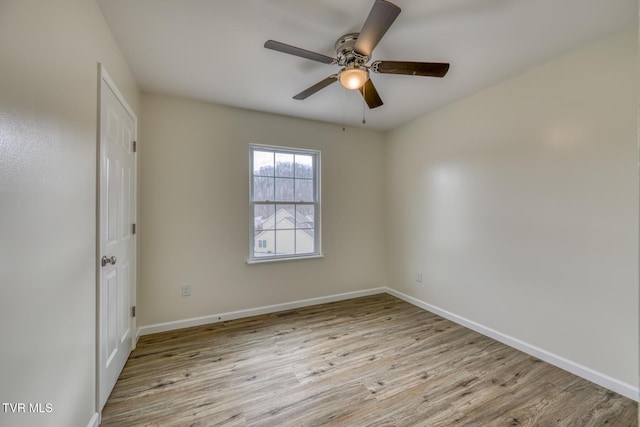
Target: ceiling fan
[(354, 51)]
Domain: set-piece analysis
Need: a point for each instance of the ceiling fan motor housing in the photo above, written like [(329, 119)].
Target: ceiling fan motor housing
[(347, 56)]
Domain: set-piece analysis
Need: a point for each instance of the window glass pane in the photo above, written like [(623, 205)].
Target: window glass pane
[(285, 242), (263, 163), (304, 190), (264, 243), (285, 217), (304, 241), (304, 166), (284, 165), (304, 216), (263, 189), (263, 218), (285, 189)]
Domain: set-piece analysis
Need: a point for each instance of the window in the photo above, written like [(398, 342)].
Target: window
[(285, 203)]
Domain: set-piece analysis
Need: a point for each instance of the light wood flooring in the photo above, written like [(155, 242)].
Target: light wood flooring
[(371, 361)]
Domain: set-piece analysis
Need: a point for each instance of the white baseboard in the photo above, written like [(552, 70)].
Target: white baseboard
[(221, 317), (95, 420), (568, 365)]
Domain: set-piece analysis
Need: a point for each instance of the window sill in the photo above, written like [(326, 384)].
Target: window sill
[(292, 258)]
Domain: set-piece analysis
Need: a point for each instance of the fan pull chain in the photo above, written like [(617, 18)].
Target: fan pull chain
[(364, 101), (344, 110)]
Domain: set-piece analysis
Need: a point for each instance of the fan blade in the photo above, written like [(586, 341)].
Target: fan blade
[(378, 22), (292, 50), (429, 69), (316, 87), (370, 94)]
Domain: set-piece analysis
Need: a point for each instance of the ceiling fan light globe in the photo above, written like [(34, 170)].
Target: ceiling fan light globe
[(353, 78)]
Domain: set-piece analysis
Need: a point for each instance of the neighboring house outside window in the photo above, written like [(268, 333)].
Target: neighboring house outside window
[(285, 203)]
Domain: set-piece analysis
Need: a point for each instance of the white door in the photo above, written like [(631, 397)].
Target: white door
[(116, 263)]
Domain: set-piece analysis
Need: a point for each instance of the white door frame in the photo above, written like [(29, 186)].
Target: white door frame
[(104, 76)]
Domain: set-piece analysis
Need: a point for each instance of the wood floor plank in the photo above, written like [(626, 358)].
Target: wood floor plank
[(371, 361)]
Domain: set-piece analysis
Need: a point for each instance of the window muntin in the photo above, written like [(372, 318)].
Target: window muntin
[(285, 203)]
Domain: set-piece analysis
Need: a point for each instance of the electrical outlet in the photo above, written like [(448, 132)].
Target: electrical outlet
[(419, 276), (185, 290)]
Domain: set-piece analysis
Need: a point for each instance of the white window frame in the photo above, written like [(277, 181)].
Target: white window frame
[(317, 251)]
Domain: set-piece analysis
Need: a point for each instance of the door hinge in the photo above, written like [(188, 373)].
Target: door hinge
[(133, 229), (135, 146), (133, 311)]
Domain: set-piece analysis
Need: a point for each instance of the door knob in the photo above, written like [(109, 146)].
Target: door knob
[(111, 260)]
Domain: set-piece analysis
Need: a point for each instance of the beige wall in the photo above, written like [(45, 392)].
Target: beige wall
[(194, 211), (49, 54), (520, 206)]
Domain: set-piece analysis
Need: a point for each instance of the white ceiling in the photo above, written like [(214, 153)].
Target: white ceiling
[(212, 50)]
